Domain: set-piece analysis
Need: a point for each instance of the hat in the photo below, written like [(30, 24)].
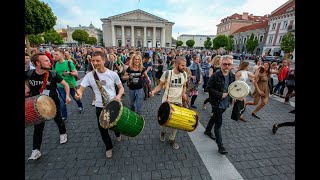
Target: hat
[(146, 55)]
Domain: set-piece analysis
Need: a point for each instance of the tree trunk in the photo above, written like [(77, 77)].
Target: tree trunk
[(28, 45)]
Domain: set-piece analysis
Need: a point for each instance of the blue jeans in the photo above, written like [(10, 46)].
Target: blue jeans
[(62, 93), (136, 96)]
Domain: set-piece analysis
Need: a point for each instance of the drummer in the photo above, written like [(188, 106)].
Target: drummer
[(35, 82), (175, 92), (219, 99), (108, 79)]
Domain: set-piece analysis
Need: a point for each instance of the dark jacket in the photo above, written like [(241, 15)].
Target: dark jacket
[(215, 87)]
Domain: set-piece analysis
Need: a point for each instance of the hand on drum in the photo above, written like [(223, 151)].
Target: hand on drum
[(118, 98)]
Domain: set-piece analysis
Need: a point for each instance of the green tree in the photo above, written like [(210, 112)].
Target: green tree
[(251, 44), (92, 40), (179, 43), (52, 37), (220, 41), (288, 44), (208, 43), (39, 18), (229, 46), (190, 43), (35, 39), (80, 35)]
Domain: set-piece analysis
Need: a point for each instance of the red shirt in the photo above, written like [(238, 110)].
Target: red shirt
[(283, 74)]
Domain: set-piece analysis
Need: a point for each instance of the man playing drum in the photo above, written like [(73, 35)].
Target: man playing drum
[(175, 91), (34, 86), (219, 99), (108, 80)]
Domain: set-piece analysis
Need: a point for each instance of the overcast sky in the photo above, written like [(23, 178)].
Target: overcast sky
[(189, 16)]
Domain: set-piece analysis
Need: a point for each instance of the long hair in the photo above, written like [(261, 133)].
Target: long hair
[(243, 66), (261, 70), (131, 64), (216, 61)]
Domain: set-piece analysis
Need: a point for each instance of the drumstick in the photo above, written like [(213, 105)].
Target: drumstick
[(75, 89)]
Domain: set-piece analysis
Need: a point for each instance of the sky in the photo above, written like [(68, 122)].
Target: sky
[(197, 17)]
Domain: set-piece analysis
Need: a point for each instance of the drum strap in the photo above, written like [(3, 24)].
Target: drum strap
[(104, 94), (168, 82), (45, 80)]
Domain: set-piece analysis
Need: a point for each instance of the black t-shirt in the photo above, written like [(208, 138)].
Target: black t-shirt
[(135, 80), (35, 82), (160, 71)]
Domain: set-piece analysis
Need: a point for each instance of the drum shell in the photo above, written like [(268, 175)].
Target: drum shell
[(245, 89), (178, 117), (32, 114), (127, 122)]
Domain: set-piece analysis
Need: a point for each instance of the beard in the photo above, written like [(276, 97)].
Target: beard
[(44, 68), (180, 70)]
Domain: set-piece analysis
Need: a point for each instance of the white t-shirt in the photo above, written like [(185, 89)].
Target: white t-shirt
[(109, 77), (176, 87)]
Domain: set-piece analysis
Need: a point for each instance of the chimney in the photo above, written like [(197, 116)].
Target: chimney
[(245, 16)]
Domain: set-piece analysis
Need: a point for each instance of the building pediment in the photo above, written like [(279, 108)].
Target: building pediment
[(136, 15)]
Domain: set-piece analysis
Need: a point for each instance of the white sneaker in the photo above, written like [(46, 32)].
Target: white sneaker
[(93, 103), (119, 138), (109, 153), (63, 138), (35, 154)]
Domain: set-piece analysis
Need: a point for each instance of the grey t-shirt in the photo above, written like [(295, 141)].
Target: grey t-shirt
[(224, 103)]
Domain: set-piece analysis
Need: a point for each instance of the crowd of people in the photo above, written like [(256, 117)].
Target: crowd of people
[(140, 74)]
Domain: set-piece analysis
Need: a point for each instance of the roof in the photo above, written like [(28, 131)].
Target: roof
[(250, 17), (283, 9), (135, 11), (264, 24)]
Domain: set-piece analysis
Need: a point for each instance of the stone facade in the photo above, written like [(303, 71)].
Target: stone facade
[(198, 39), (91, 30), (280, 22), (136, 29)]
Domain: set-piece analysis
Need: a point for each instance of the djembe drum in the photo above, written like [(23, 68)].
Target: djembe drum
[(238, 89), (38, 109), (178, 117), (119, 118)]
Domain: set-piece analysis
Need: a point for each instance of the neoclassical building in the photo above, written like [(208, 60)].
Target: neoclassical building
[(136, 28), (91, 30)]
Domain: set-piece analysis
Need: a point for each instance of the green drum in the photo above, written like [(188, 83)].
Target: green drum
[(119, 118)]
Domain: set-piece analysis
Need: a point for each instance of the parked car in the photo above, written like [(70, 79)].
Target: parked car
[(271, 59), (236, 56)]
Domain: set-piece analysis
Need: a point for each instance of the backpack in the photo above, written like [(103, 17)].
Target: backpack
[(69, 65)]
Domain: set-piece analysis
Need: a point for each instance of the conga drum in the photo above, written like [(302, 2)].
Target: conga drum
[(238, 89), (38, 109), (178, 117), (119, 118)]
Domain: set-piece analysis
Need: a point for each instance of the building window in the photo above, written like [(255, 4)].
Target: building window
[(138, 32), (244, 40), (149, 33), (261, 39), (280, 39), (270, 39), (285, 24), (274, 26), (128, 32), (118, 32)]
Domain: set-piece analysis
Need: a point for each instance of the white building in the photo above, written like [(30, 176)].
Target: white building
[(91, 30), (198, 39), (279, 22), (136, 28)]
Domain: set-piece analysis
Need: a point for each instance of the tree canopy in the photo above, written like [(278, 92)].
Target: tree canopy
[(80, 35), (251, 44), (190, 43)]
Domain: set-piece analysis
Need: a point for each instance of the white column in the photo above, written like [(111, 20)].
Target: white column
[(154, 37), (123, 43), (132, 36), (163, 37), (113, 38), (145, 36)]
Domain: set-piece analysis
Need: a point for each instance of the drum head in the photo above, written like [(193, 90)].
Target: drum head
[(110, 113), (238, 89), (46, 107), (164, 113)]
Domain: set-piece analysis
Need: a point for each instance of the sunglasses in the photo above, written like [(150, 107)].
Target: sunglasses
[(226, 64)]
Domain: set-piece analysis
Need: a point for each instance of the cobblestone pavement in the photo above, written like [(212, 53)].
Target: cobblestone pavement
[(253, 150)]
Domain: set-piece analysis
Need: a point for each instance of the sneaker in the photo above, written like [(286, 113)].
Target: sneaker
[(174, 144), (162, 136), (210, 134), (93, 103), (109, 153), (64, 119), (222, 150), (274, 129), (193, 106), (80, 109), (119, 138), (63, 138), (158, 93), (204, 106), (35, 154)]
